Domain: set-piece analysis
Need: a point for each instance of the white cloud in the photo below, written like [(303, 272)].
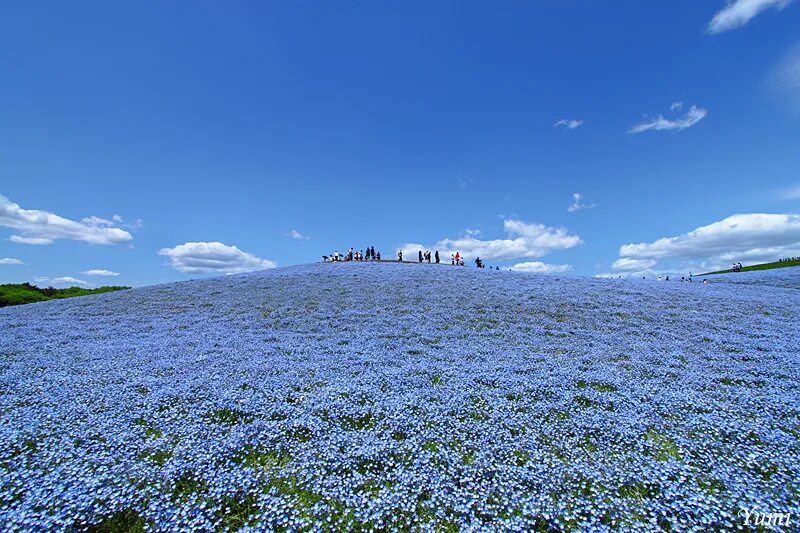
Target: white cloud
[(99, 272), (626, 263), (692, 117), (569, 124), (538, 267), (204, 257), (524, 241), (10, 261), (67, 280), (739, 12), (36, 241), (676, 106), (42, 227), (294, 234), (577, 203), (754, 237), (472, 232)]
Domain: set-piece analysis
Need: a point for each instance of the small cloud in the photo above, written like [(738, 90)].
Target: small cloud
[(537, 267), (569, 124), (10, 261), (294, 234), (739, 12), (99, 272), (68, 280), (692, 117), (577, 203), (213, 257), (472, 232), (676, 106), (626, 263)]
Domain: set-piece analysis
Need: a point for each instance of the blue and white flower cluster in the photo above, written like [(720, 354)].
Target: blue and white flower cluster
[(346, 397)]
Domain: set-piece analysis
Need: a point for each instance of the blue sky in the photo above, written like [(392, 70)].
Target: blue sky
[(396, 123)]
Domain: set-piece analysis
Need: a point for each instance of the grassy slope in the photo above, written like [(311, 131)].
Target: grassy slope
[(763, 266), (24, 293)]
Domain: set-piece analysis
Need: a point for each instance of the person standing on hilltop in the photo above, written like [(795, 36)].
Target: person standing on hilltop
[(452, 259), (437, 257), (458, 258), (400, 255), (372, 252), (420, 256)]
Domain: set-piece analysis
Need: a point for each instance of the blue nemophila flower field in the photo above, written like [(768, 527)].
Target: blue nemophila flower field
[(403, 397)]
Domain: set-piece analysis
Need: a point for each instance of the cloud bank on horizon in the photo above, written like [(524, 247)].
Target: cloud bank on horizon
[(524, 240), (752, 237), (537, 267)]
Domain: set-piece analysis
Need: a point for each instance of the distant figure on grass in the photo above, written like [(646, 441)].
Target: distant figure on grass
[(379, 256), (400, 255), (478, 262), (458, 258), (420, 256), (372, 252), (452, 259), (437, 257)]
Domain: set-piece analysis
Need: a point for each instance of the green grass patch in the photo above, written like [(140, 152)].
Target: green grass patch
[(664, 446), (25, 293), (229, 417), (123, 521)]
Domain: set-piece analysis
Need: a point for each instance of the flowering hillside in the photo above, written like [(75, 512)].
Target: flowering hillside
[(403, 397)]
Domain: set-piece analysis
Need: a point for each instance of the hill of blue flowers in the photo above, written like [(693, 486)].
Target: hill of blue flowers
[(357, 396)]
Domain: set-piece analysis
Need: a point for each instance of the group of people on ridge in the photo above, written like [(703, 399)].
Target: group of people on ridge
[(352, 255), (456, 258)]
